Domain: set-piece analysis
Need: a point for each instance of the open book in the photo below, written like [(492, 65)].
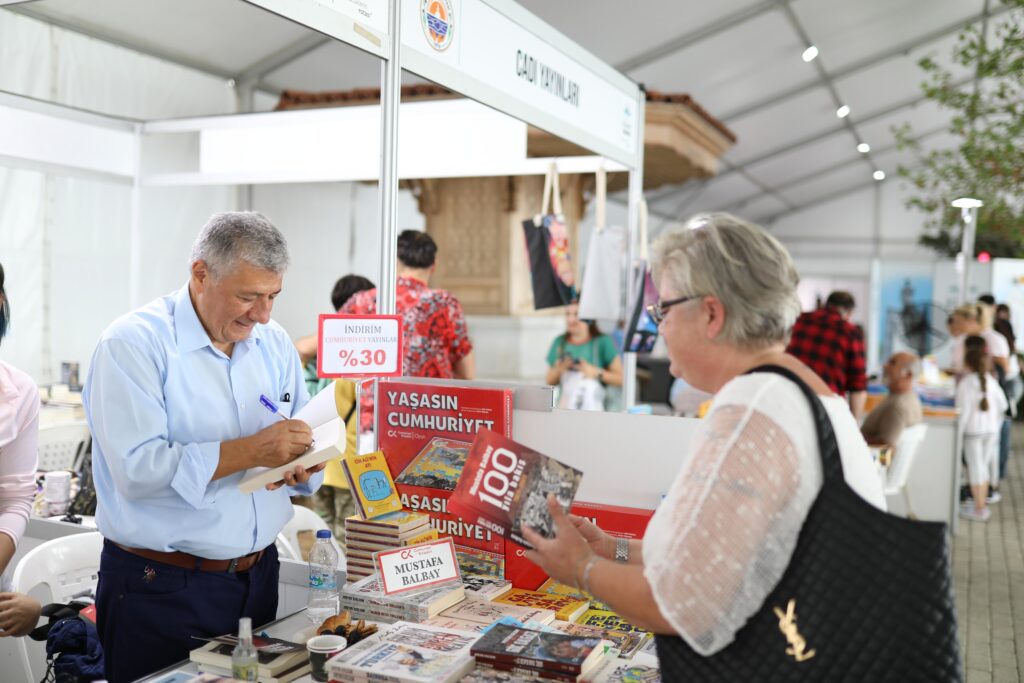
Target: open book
[(329, 441)]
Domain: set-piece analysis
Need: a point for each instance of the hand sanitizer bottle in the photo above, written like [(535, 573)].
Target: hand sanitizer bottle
[(245, 664)]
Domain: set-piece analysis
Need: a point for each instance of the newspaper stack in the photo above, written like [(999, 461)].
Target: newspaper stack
[(405, 652)]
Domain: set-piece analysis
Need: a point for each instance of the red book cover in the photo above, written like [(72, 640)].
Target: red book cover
[(425, 431), (617, 520), (505, 486)]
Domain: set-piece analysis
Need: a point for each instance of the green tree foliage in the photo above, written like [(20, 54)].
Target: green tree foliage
[(988, 121)]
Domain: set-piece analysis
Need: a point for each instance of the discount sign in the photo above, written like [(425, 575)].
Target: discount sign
[(359, 345)]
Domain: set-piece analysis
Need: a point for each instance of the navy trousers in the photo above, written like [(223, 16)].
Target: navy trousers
[(148, 612)]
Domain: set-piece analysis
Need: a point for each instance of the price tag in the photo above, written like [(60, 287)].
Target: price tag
[(417, 566), (359, 345)]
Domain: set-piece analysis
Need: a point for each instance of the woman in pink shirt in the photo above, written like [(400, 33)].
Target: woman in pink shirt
[(19, 437)]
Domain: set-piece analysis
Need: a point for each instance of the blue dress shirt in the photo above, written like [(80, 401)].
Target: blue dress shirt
[(160, 399)]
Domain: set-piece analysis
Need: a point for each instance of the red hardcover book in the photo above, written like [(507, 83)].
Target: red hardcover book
[(617, 520), (537, 650), (425, 431), (505, 485)]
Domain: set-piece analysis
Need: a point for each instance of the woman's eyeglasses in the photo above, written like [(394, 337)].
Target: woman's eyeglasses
[(657, 311)]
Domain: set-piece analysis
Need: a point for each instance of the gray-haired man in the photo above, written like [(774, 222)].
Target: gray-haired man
[(173, 400)]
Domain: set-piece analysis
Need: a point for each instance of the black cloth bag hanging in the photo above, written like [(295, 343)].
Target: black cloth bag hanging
[(867, 597), (547, 248)]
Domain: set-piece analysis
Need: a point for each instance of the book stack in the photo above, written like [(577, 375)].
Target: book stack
[(545, 655), (364, 537), (485, 587), (365, 599), (478, 615), (279, 661), (565, 607), (406, 653)]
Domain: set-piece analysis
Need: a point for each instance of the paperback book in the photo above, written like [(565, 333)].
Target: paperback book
[(626, 643), (406, 652), (369, 479), (274, 659), (425, 430), (505, 486), (607, 620), (554, 587), (565, 608), (618, 671), (536, 650), (392, 525), (487, 612), (485, 587), (365, 599)]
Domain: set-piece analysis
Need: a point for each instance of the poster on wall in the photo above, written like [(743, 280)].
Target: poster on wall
[(908, 319)]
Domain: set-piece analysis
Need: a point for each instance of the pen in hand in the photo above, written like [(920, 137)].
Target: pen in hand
[(272, 407), (269, 405)]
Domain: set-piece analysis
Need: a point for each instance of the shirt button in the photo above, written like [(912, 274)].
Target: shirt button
[(242, 406)]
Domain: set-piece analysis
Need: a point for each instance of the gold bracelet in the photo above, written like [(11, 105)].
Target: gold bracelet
[(585, 582)]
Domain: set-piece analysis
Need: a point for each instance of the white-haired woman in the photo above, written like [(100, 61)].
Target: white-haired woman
[(723, 536)]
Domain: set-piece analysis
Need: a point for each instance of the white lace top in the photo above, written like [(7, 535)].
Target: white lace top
[(723, 536)]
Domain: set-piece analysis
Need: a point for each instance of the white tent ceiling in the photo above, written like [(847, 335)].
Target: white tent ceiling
[(739, 59)]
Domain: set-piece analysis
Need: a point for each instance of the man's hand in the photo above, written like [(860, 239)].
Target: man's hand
[(274, 446), (295, 476), (281, 442)]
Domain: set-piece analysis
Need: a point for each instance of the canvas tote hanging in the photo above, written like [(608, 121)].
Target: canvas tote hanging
[(601, 293), (547, 244)]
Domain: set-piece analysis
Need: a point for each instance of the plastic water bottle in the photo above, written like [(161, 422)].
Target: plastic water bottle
[(323, 599), (245, 663)]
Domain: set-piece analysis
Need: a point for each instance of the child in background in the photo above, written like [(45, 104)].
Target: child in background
[(981, 404)]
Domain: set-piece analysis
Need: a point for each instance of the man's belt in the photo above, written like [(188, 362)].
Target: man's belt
[(186, 561)]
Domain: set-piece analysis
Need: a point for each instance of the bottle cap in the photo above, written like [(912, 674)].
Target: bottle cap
[(244, 628), (323, 533)]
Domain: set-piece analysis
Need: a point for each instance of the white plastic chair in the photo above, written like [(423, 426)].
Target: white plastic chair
[(67, 566), (62, 446), (902, 462), (303, 519)]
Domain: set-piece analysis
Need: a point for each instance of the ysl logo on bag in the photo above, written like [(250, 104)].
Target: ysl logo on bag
[(787, 624)]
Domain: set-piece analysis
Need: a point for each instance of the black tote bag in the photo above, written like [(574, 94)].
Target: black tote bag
[(867, 597), (547, 247)]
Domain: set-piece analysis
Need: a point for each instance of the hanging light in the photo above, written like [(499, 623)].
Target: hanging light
[(810, 53), (843, 111), (863, 148), (878, 175)]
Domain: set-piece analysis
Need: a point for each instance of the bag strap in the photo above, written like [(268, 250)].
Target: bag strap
[(556, 193), (828, 447), (600, 198), (545, 198)]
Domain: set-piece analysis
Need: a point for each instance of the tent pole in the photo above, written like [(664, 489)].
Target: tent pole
[(391, 96), (636, 195)]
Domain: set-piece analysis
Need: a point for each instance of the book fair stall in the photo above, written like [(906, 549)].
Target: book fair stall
[(433, 582), (424, 434)]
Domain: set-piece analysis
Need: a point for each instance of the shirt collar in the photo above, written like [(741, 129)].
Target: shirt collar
[(190, 333)]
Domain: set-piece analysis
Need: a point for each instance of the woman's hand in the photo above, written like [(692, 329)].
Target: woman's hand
[(564, 556), (19, 614), (601, 543), (589, 370)]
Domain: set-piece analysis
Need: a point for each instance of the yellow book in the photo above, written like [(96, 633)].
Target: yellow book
[(373, 489), (565, 608), (608, 620)]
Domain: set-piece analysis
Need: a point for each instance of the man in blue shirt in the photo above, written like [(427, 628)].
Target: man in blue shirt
[(173, 402)]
